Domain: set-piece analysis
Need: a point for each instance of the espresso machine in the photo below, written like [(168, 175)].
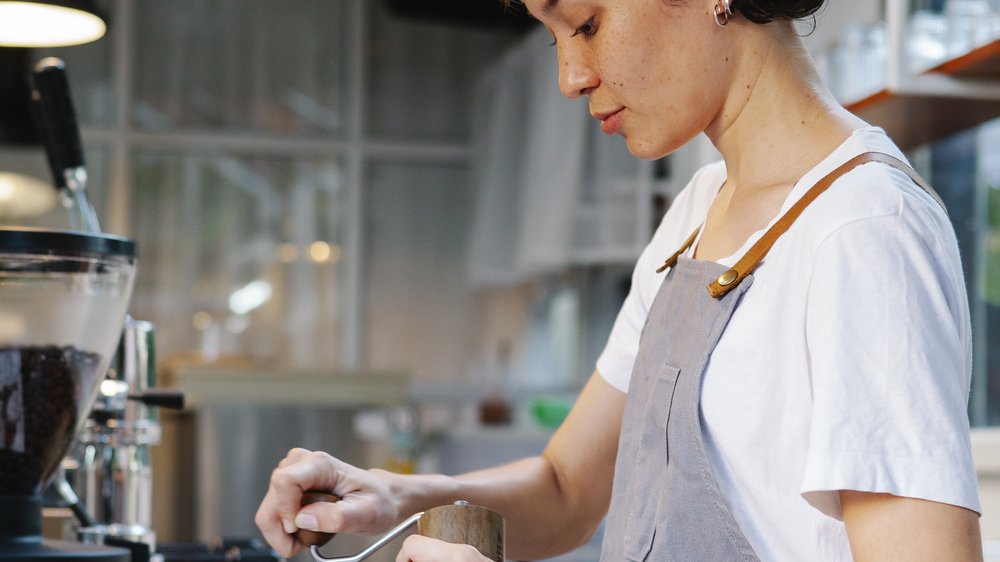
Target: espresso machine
[(112, 474)]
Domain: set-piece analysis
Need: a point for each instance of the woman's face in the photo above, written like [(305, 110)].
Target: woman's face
[(655, 71)]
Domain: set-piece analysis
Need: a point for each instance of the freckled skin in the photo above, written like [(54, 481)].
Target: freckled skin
[(678, 42), (660, 72), (668, 72)]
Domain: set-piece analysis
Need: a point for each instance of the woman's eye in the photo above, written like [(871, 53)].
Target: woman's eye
[(587, 28)]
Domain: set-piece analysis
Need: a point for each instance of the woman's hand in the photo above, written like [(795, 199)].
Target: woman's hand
[(367, 506), (417, 548)]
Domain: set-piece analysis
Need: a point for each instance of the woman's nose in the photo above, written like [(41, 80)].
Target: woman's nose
[(576, 78)]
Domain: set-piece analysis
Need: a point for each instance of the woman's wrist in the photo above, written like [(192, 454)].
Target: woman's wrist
[(413, 493)]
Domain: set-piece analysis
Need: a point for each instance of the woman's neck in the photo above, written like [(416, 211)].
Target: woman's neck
[(779, 120)]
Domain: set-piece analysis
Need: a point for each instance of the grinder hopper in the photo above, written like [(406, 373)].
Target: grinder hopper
[(63, 298)]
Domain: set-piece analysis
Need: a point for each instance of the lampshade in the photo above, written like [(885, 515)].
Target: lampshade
[(55, 23), (23, 196)]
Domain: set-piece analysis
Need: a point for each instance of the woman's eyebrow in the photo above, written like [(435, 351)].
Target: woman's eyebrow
[(550, 5)]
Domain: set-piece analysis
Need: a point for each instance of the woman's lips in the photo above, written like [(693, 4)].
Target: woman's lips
[(611, 122)]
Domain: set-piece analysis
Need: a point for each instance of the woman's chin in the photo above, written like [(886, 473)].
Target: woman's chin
[(645, 150)]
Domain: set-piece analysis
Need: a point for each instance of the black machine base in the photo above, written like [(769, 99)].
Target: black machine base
[(21, 537), (62, 551)]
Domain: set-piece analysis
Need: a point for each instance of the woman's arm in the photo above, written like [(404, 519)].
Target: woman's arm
[(887, 528), (555, 502), (550, 503)]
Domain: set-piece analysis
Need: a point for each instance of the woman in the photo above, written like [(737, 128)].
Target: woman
[(787, 379)]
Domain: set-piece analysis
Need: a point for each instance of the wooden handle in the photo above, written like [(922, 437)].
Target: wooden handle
[(466, 524), (315, 538)]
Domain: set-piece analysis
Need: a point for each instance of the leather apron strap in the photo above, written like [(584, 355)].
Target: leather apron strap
[(732, 277)]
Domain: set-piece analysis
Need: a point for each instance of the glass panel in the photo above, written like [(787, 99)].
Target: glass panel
[(30, 162), (258, 65), (946, 29), (432, 103), (986, 301), (89, 70), (240, 255), (418, 306), (605, 223)]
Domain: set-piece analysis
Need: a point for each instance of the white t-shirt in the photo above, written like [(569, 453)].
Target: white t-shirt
[(847, 364)]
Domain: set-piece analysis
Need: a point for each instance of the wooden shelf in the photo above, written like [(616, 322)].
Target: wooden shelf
[(913, 118), (981, 62)]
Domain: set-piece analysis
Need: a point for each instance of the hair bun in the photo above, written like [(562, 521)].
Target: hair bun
[(764, 11)]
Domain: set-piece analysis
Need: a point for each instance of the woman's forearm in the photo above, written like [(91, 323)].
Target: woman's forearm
[(551, 503)]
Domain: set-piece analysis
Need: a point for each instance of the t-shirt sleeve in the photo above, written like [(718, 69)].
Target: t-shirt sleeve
[(887, 334)]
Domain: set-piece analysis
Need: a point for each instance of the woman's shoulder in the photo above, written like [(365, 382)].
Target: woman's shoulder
[(875, 191)]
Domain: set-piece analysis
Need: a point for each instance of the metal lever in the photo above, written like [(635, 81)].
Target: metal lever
[(66, 493), (161, 397), (60, 133), (399, 530)]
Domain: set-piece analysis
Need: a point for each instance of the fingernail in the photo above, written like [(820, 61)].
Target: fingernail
[(289, 526), (306, 521)]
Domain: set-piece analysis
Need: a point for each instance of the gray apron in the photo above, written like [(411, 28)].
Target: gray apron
[(666, 505)]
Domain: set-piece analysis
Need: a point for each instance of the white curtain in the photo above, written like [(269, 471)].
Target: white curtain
[(531, 144)]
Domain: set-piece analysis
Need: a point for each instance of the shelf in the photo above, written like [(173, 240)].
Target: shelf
[(210, 384), (981, 62), (949, 98)]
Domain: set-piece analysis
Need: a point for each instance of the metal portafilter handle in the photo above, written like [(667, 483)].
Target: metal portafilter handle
[(460, 523)]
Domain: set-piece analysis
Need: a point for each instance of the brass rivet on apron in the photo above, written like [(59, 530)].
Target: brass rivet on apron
[(727, 278)]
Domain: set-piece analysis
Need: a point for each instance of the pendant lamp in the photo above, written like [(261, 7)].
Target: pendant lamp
[(25, 24), (21, 195), (50, 23)]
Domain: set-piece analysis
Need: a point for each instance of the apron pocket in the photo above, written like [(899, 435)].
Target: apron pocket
[(644, 489)]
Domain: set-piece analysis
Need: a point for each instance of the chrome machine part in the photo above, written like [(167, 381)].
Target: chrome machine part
[(114, 475)]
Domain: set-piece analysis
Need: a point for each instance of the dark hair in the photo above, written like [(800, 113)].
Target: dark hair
[(764, 11), (757, 11)]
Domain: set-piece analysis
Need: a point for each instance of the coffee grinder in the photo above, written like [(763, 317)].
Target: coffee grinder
[(63, 298)]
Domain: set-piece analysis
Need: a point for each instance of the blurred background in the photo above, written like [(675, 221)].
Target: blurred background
[(376, 228)]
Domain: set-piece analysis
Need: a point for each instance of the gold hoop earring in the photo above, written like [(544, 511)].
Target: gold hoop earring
[(722, 11)]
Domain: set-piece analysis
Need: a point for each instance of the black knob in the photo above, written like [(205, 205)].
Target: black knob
[(56, 117), (161, 397)]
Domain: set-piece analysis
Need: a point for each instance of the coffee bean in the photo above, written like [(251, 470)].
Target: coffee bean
[(39, 387)]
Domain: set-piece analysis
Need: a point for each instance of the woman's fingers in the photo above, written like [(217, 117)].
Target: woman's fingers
[(293, 456), (301, 470), (417, 548), (274, 529), (367, 505)]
